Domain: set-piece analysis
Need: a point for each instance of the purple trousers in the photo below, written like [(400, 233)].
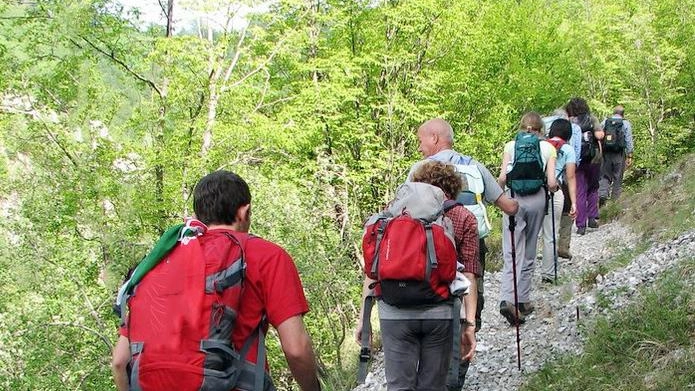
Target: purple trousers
[(588, 176)]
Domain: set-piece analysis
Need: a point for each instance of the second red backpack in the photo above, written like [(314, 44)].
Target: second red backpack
[(409, 248)]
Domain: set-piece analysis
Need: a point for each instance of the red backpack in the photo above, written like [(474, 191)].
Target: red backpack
[(409, 248), (181, 318), (557, 142)]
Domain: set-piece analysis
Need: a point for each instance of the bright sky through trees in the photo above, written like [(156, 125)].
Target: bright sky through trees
[(188, 12)]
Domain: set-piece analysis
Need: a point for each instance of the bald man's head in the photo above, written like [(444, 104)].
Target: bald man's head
[(435, 135)]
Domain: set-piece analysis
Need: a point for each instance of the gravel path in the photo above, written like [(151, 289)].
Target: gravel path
[(552, 328)]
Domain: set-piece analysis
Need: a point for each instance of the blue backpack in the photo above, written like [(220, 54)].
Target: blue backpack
[(527, 175)]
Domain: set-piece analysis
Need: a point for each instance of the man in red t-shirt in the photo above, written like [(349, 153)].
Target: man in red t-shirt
[(271, 288)]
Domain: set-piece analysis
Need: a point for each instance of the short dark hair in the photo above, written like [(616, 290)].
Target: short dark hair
[(218, 196), (576, 107), (439, 174), (561, 128)]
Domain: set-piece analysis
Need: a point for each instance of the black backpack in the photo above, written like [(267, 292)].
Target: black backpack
[(589, 147), (614, 141)]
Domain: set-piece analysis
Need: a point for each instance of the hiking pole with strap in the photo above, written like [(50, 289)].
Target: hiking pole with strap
[(512, 224), (452, 380), (365, 348), (552, 218)]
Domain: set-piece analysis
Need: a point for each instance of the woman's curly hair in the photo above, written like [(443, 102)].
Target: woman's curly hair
[(439, 174), (576, 107)]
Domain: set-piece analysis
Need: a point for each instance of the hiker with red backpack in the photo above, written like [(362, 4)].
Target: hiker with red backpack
[(565, 166), (528, 172), (617, 154), (589, 169), (466, 238), (436, 140), (411, 265), (199, 305)]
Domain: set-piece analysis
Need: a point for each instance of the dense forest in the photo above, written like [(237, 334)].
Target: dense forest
[(107, 121)]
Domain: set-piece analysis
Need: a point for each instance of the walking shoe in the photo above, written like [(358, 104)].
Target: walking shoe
[(564, 254), (547, 280), (601, 202), (509, 312), (581, 230), (592, 223), (526, 308)]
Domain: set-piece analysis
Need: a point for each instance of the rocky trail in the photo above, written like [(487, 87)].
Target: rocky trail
[(553, 328)]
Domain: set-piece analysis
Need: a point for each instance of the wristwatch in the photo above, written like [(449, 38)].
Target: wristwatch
[(467, 323)]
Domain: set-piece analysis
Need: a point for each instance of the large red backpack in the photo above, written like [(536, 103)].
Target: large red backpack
[(409, 248), (181, 318)]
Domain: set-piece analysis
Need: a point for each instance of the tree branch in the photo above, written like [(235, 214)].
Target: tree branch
[(237, 54), (60, 146), (104, 339), (122, 63), (256, 70), (92, 310)]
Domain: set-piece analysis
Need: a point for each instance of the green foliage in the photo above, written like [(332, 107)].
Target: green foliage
[(106, 128)]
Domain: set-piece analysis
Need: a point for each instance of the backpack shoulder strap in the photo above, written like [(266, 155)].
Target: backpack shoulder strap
[(465, 160), (365, 348), (449, 205)]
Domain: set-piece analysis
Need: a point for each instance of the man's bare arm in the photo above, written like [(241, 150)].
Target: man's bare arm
[(119, 363), (296, 344)]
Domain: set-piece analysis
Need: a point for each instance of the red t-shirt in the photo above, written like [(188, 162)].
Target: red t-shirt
[(271, 285)]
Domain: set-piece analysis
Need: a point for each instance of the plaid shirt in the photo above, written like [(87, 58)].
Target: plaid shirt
[(466, 237)]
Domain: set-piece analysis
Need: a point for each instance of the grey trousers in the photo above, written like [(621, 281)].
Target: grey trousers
[(549, 236), (611, 183), (528, 223), (416, 353)]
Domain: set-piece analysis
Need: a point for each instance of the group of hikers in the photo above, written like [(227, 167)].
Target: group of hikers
[(196, 309), (554, 174)]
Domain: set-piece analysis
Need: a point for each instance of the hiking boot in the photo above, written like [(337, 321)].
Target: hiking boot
[(547, 280), (592, 223), (581, 230), (564, 254), (526, 308), (509, 312)]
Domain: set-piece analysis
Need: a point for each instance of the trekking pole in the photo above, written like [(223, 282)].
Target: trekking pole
[(512, 224), (552, 218)]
